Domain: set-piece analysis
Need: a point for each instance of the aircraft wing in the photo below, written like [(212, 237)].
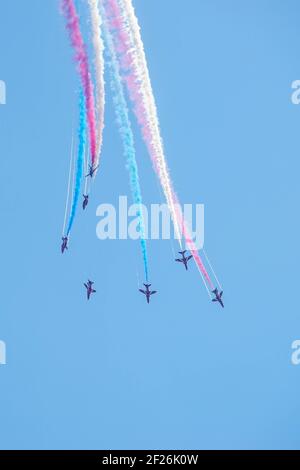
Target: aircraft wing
[(142, 291), (153, 292), (189, 257), (179, 260)]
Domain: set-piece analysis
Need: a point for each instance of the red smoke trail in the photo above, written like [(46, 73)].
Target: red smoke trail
[(81, 58)]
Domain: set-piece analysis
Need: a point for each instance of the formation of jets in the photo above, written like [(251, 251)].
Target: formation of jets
[(147, 292)]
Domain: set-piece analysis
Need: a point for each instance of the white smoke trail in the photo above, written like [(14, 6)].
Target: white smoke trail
[(99, 73), (140, 66)]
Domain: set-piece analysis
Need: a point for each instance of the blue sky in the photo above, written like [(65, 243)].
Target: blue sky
[(180, 373)]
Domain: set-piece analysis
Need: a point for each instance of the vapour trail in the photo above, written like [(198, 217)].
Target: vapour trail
[(212, 269), (86, 169), (69, 184)]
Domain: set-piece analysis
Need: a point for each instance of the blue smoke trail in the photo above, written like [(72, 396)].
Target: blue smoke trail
[(80, 159), (125, 129)]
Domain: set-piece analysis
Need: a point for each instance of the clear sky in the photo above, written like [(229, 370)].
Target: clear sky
[(181, 372)]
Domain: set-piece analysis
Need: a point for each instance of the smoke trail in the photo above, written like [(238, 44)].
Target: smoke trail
[(81, 58), (140, 93), (128, 43), (80, 160), (99, 73), (126, 133)]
